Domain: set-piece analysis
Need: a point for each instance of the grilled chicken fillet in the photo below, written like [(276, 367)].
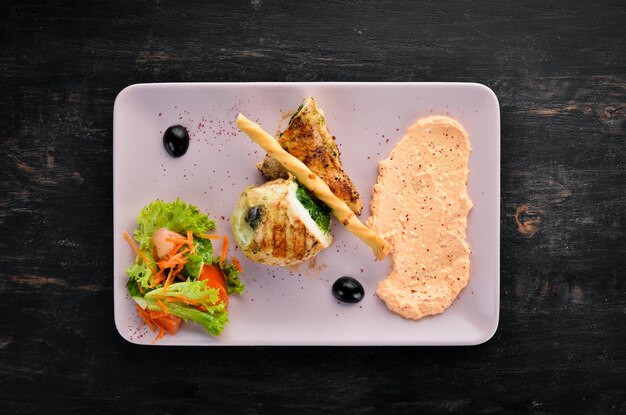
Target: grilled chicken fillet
[(279, 224), (307, 138)]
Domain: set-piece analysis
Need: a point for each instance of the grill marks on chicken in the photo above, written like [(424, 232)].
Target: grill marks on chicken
[(285, 234)]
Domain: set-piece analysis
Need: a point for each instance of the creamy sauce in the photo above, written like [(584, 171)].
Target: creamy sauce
[(420, 205)]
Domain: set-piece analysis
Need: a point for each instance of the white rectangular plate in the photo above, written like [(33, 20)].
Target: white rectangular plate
[(283, 306)]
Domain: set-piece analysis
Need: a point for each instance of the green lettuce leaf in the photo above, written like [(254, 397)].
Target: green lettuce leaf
[(213, 320), (205, 249), (231, 274), (213, 323), (193, 267), (176, 216), (135, 293), (140, 273), (203, 255)]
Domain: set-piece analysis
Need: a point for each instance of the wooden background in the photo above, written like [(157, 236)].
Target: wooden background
[(559, 70)]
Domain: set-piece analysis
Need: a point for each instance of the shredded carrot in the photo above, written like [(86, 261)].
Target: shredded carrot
[(168, 281), (132, 244), (175, 249), (224, 250), (160, 276), (146, 317), (178, 269), (156, 315), (178, 257), (237, 264), (137, 251), (176, 239), (183, 299), (209, 236), (163, 307), (174, 260), (180, 241), (159, 336), (177, 243), (175, 272), (176, 299), (150, 318)]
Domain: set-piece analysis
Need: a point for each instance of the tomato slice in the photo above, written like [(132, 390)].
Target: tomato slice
[(212, 274), (169, 323)]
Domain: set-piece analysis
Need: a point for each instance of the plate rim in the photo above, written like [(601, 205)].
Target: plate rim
[(488, 334)]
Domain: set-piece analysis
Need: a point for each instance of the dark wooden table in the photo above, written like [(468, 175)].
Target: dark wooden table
[(559, 70)]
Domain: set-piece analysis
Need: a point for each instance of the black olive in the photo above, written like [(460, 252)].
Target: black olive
[(176, 140), (254, 216), (348, 290)]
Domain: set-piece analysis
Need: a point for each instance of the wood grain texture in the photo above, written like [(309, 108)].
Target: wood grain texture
[(559, 70)]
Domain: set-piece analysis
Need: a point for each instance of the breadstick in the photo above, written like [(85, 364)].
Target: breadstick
[(317, 186)]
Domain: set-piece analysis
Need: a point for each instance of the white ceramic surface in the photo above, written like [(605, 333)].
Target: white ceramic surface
[(295, 306)]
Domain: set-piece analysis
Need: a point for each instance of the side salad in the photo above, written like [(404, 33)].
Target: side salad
[(176, 276)]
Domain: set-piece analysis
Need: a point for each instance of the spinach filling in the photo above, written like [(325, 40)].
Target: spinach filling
[(318, 211)]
